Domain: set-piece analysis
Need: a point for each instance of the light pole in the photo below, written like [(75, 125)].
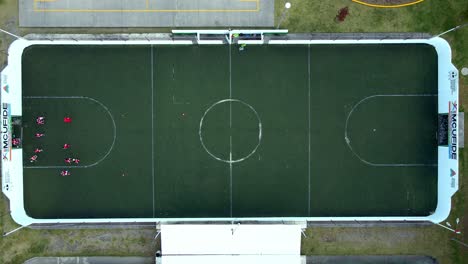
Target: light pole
[(283, 14), (452, 29), (9, 33), (448, 228)]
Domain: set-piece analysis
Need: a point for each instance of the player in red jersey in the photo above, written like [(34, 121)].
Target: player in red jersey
[(33, 158), (38, 150), (40, 120), (15, 142)]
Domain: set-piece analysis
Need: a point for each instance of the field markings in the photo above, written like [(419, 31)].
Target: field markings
[(230, 183), (200, 131), (80, 166), (348, 141), (230, 126), (152, 122), (308, 117)]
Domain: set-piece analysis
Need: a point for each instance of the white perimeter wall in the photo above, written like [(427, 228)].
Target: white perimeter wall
[(12, 170)]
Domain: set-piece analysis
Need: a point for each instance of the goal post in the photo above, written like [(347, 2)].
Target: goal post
[(229, 36)]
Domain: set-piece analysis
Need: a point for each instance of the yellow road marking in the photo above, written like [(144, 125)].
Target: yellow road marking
[(144, 10), (35, 9), (388, 6)]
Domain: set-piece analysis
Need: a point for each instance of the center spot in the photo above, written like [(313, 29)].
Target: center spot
[(230, 130)]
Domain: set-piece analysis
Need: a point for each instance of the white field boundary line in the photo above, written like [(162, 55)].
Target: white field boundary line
[(308, 117), (152, 124), (348, 141), (80, 166)]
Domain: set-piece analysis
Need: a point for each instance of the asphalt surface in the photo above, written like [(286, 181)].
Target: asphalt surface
[(146, 13)]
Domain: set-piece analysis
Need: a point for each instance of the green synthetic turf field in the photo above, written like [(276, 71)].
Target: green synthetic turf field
[(211, 131)]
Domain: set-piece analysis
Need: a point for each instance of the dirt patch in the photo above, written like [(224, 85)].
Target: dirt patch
[(132, 240), (430, 240)]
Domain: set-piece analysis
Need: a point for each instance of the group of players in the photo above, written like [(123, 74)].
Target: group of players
[(41, 121)]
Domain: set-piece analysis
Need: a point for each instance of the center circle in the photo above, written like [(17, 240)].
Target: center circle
[(230, 130)]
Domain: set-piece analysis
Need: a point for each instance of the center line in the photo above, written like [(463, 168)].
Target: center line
[(230, 129), (308, 117), (152, 122), (230, 180)]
